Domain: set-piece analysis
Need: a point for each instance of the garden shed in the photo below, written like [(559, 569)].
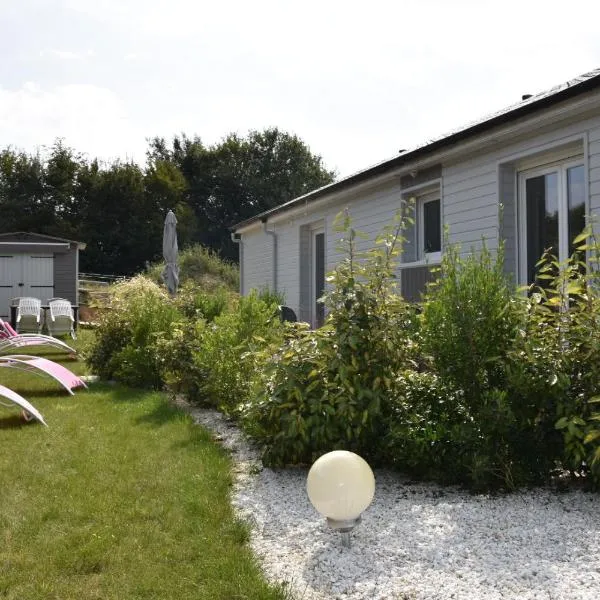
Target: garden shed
[(42, 266)]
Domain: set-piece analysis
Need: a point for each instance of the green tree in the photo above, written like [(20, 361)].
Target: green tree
[(240, 177)]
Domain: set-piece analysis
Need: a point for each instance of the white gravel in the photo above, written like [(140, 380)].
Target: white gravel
[(417, 540)]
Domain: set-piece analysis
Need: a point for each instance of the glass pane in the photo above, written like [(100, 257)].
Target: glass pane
[(432, 227), (319, 277), (541, 196), (576, 203)]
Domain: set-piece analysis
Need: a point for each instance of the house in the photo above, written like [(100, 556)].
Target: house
[(528, 174), (37, 265)]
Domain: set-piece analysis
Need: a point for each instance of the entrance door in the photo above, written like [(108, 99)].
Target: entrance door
[(10, 270), (317, 276), (25, 275), (552, 214)]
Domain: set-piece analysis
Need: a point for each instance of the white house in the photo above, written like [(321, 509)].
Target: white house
[(539, 160)]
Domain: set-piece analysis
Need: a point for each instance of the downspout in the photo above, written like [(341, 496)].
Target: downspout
[(236, 238), (274, 237)]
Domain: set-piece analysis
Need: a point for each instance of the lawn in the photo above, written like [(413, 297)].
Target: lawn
[(120, 497)]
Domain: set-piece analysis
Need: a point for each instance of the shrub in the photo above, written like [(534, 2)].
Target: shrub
[(328, 388), (424, 413), (215, 363), (471, 321), (194, 302), (204, 267), (139, 312), (555, 365)]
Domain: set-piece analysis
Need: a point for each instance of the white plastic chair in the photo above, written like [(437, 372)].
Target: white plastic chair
[(60, 320), (29, 315)]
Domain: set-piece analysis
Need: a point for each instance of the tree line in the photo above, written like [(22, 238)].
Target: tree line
[(118, 209)]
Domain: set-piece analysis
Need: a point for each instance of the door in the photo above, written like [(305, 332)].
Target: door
[(317, 276), (552, 213), (25, 275), (38, 276), (10, 270)]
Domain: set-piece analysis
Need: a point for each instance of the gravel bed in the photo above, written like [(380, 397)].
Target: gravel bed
[(417, 540)]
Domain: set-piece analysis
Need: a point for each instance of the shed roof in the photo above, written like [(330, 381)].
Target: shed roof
[(37, 238), (538, 102)]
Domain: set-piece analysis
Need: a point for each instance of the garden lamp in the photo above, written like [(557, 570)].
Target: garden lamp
[(341, 485)]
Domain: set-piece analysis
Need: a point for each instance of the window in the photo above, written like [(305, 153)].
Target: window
[(551, 213), (429, 219), (317, 276)]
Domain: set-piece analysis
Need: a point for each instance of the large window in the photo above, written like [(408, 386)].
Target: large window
[(552, 213)]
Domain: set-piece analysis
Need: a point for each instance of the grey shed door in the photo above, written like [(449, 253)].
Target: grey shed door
[(25, 275)]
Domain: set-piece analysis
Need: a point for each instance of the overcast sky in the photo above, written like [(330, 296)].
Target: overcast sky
[(356, 80)]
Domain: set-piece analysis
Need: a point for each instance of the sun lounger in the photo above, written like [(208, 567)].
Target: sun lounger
[(28, 408), (10, 340), (42, 366)]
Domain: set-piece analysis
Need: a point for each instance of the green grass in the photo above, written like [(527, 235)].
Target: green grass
[(121, 497)]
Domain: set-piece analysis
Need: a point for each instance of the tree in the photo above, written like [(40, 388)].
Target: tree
[(240, 177), (118, 210)]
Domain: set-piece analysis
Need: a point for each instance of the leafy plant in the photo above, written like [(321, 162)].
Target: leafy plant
[(215, 362), (138, 313), (329, 388)]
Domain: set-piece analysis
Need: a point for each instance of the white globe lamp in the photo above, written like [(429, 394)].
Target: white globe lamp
[(341, 485)]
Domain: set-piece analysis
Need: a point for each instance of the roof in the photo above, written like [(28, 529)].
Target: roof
[(25, 235), (570, 89)]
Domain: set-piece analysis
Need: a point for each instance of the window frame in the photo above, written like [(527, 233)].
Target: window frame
[(422, 200), (560, 167)]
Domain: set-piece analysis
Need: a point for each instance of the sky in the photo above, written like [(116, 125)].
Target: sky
[(357, 81)]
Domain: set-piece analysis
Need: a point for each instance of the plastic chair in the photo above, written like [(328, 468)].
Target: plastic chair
[(60, 320), (11, 340), (29, 315)]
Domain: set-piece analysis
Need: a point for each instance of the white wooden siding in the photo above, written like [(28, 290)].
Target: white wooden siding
[(257, 270), (471, 190), (594, 168)]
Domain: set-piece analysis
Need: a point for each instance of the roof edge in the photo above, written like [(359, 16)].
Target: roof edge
[(527, 108)]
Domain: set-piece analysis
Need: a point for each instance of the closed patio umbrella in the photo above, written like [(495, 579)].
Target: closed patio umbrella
[(170, 273)]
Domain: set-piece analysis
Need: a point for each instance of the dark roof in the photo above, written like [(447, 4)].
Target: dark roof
[(574, 87), (26, 235)]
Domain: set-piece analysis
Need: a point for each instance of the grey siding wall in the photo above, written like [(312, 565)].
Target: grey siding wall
[(414, 281), (258, 262), (65, 262), (470, 199), (66, 276), (508, 230), (472, 189), (594, 169), (370, 211)]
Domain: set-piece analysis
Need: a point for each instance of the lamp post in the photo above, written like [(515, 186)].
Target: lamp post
[(341, 485)]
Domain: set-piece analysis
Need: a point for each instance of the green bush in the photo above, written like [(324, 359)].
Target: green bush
[(423, 415), (139, 312), (194, 302), (555, 365), (215, 363), (203, 267), (470, 323), (328, 388)]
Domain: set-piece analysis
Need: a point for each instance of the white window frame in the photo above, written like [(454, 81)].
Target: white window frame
[(560, 168), (422, 200)]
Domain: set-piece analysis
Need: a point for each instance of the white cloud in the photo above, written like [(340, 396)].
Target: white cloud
[(356, 80), (90, 118), (61, 54)]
